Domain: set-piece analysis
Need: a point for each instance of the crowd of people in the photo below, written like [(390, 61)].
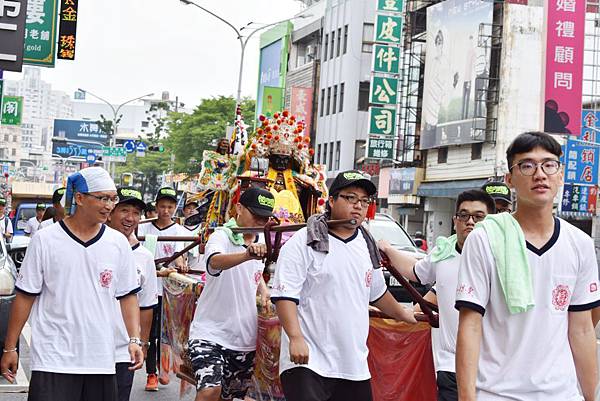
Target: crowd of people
[(515, 292)]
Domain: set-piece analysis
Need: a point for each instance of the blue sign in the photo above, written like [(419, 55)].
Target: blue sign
[(578, 198), (90, 158), (141, 147), (80, 130), (590, 125), (269, 70), (129, 146), (581, 163), (75, 149)]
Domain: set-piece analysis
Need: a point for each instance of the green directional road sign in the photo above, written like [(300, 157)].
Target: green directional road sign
[(40, 32), (114, 152), (380, 148), (382, 121), (388, 29), (384, 90), (12, 110), (394, 6), (386, 59)]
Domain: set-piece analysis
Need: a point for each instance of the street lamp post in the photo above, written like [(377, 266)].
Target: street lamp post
[(115, 123), (243, 40)]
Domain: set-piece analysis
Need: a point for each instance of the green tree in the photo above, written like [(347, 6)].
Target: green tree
[(191, 134)]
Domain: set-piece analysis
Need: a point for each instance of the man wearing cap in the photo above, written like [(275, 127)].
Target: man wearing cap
[(66, 287), (6, 228), (124, 218), (500, 192), (166, 205), (33, 224), (60, 210), (222, 340), (322, 293)]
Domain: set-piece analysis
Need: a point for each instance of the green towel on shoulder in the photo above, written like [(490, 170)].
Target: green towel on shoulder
[(445, 248), (507, 242), (235, 238)]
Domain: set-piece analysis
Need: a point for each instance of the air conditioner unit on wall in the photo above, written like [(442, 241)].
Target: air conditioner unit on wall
[(311, 51)]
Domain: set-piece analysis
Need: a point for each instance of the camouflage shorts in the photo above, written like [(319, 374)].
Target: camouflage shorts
[(214, 366)]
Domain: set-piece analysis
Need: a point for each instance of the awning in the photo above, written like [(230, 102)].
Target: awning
[(448, 189)]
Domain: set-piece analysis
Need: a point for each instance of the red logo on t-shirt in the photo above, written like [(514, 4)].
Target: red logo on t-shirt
[(257, 277), (168, 249), (560, 297), (106, 278), (369, 278), (593, 287)]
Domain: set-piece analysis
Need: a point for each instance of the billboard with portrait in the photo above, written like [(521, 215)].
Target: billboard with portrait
[(269, 73), (457, 67)]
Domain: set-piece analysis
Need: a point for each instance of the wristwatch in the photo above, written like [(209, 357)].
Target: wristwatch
[(135, 340)]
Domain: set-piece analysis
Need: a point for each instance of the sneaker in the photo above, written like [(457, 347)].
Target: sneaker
[(164, 379), (152, 382)]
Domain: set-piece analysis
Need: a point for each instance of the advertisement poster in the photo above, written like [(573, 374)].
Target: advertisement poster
[(457, 69), (301, 106), (270, 62)]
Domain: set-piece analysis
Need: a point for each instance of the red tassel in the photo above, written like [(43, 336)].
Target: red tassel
[(371, 210)]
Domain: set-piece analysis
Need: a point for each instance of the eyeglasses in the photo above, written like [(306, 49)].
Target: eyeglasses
[(105, 199), (529, 167), (465, 217), (353, 200)]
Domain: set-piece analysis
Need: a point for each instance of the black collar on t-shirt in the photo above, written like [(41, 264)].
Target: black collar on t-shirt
[(87, 243), (136, 246), (458, 249), (550, 242), (164, 228), (350, 238)]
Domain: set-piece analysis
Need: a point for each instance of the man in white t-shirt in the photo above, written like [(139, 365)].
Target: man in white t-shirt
[(536, 343), (33, 224), (66, 287), (222, 340), (6, 228), (166, 205), (57, 205), (441, 267), (322, 300), (124, 218)]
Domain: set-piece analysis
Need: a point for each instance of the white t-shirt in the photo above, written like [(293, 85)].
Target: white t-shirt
[(147, 297), (32, 226), (163, 248), (46, 223), (72, 319), (226, 313), (445, 275), (527, 356), (195, 259), (332, 291), (5, 226)]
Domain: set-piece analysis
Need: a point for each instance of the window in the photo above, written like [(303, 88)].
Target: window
[(341, 97), (14, 151), (331, 51), (337, 155), (322, 101), (330, 166), (367, 39), (5, 137), (334, 107), (476, 150), (339, 43), (324, 154), (442, 155), (326, 42), (318, 161), (345, 39), (328, 100), (363, 96)]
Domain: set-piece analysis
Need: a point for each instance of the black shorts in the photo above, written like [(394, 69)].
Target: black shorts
[(302, 384), (124, 380), (46, 386), (446, 384), (215, 366)]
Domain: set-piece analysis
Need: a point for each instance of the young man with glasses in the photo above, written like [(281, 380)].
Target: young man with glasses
[(322, 299), (441, 267), (525, 328), (66, 287)]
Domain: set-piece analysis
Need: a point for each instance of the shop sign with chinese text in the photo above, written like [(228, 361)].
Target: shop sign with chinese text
[(581, 163), (580, 199), (394, 6), (12, 110), (12, 34), (382, 121), (380, 148), (388, 29), (68, 29), (384, 90), (40, 32)]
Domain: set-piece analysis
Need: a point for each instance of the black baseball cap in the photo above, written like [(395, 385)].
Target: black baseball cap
[(352, 178), (166, 193), (57, 195), (498, 191), (150, 206), (128, 195), (259, 201)]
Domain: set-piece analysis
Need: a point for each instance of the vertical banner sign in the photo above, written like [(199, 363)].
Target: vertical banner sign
[(590, 125), (40, 32), (301, 106), (565, 25), (581, 163), (382, 121), (12, 110), (394, 6), (386, 59), (12, 34), (384, 91), (68, 29)]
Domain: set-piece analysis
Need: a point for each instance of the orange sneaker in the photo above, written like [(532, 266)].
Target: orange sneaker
[(152, 382)]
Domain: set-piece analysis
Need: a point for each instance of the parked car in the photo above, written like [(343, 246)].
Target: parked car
[(24, 212), (8, 276), (385, 227)]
